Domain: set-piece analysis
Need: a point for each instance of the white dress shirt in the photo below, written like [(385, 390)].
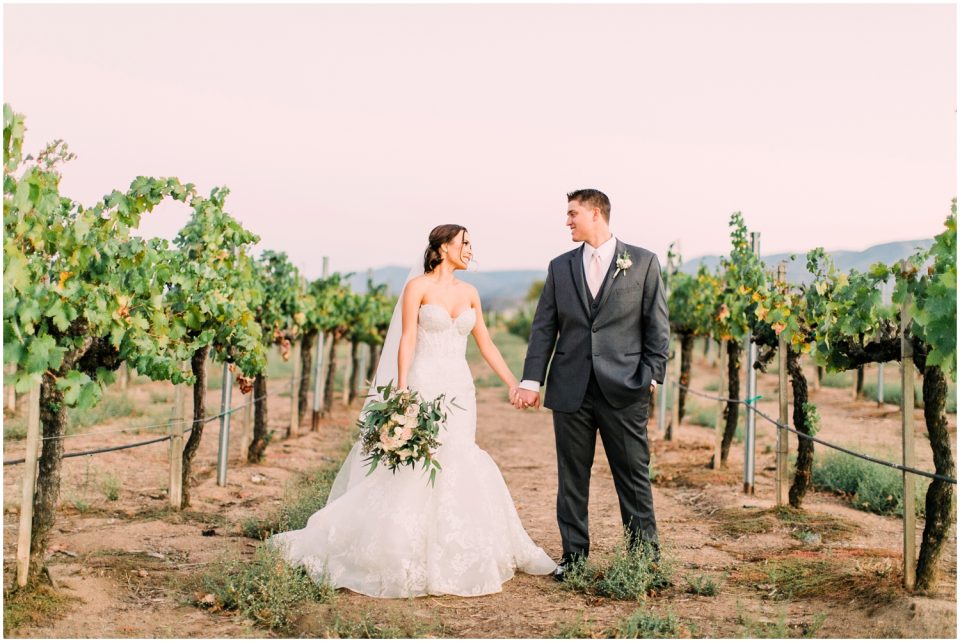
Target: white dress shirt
[(606, 249)]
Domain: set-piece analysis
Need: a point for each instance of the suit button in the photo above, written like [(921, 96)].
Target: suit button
[(594, 329)]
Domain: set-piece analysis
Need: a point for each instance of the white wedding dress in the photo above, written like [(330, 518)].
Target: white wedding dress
[(392, 534)]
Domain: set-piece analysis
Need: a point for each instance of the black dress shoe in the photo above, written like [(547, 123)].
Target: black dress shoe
[(563, 566), (558, 573)]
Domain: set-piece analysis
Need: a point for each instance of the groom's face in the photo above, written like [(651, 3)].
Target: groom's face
[(582, 220)]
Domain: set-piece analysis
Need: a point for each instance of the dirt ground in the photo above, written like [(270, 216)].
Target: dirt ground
[(127, 560)]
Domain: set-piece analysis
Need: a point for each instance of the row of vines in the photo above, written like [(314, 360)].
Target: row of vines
[(82, 295), (840, 321)]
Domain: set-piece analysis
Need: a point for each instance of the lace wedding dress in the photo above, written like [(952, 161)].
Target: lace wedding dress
[(392, 534)]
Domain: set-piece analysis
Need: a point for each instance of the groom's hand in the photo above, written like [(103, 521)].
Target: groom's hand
[(527, 399)]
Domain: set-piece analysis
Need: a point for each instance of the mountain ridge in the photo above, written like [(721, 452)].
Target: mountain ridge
[(503, 290)]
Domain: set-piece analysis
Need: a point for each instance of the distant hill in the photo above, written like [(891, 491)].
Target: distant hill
[(505, 289), (499, 290), (845, 260)]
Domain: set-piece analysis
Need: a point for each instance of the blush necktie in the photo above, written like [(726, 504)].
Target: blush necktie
[(594, 275)]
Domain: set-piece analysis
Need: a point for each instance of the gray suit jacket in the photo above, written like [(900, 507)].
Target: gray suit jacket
[(627, 340)]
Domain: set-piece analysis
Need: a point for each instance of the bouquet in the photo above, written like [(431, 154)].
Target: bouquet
[(401, 429)]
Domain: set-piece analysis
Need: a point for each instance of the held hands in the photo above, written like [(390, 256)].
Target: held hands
[(526, 399)]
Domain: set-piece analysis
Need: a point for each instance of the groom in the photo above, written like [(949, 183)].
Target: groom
[(602, 316)]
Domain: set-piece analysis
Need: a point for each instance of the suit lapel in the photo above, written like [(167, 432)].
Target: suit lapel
[(608, 281), (576, 273)]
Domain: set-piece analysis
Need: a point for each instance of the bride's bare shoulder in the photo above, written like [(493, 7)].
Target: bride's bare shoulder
[(417, 285)]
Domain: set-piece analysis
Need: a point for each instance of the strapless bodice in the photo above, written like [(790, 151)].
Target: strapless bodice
[(440, 358)]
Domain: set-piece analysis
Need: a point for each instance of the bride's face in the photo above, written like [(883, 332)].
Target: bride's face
[(459, 251)]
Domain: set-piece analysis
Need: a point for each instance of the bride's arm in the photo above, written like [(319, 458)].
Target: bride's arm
[(412, 295), (488, 349)]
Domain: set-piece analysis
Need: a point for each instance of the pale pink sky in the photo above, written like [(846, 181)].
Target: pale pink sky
[(350, 131)]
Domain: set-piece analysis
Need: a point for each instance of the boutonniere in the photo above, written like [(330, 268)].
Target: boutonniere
[(623, 263)]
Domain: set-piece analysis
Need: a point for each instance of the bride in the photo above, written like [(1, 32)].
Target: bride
[(393, 534)]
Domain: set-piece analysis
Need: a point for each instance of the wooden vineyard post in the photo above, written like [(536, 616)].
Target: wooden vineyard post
[(246, 429), (880, 384), (293, 428), (347, 373), (319, 381), (675, 406), (25, 534), (362, 368), (783, 441), (718, 428), (366, 350), (662, 405), (175, 431), (909, 484), (10, 393)]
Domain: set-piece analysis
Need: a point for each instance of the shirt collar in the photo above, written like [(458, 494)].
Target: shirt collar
[(606, 248)]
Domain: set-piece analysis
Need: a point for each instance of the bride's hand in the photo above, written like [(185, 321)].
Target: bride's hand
[(514, 391)]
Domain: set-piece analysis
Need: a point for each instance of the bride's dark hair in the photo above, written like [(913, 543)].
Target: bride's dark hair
[(438, 236)]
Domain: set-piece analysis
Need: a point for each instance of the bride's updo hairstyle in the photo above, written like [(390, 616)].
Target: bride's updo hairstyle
[(438, 236)]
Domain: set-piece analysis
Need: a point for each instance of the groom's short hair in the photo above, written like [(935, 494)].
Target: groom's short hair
[(592, 198)]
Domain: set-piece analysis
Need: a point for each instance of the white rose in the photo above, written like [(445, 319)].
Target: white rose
[(411, 422), (397, 418), (412, 410)]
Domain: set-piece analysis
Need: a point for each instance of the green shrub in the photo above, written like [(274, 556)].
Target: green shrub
[(519, 324), (627, 574), (837, 379), (892, 394), (310, 495), (306, 495), (579, 628), (34, 606), (15, 428), (112, 406), (703, 585), (870, 487), (643, 625), (754, 629), (111, 487), (265, 589), (698, 415), (367, 626), (161, 396)]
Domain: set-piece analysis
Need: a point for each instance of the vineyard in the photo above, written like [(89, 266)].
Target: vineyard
[(109, 339)]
